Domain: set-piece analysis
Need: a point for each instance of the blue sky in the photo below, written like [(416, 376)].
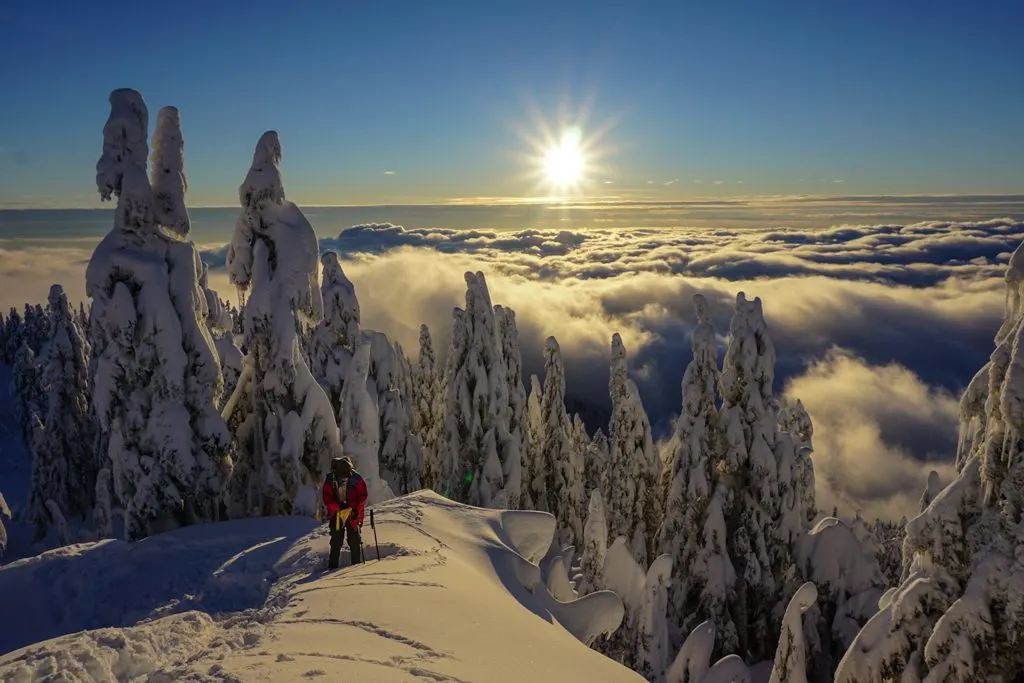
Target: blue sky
[(787, 97)]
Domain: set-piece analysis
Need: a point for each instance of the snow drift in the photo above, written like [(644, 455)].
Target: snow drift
[(458, 595)]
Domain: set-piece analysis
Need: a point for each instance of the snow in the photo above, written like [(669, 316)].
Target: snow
[(454, 597), (167, 174)]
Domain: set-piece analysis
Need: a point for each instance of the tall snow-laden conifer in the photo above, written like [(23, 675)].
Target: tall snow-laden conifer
[(959, 613), (157, 377), (634, 496), (400, 455), (749, 427), (359, 421), (535, 487), (562, 465), (476, 406), (64, 468), (289, 433), (693, 533), (428, 410), (336, 335), (513, 464)]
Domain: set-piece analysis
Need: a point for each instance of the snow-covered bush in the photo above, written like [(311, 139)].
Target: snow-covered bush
[(287, 434), (595, 547), (360, 424)]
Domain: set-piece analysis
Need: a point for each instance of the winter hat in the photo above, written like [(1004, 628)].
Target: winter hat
[(342, 466)]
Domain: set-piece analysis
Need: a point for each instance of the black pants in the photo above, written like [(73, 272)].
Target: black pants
[(355, 545)]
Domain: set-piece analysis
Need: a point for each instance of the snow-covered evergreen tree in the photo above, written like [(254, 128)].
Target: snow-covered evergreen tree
[(64, 465), (562, 468), (959, 614), (790, 657), (30, 402), (289, 433), (693, 533), (595, 547), (475, 439), (337, 333), (634, 496), (232, 360), (749, 427), (400, 455), (36, 328), (14, 330), (156, 373), (359, 421), (428, 410), (167, 173), (794, 420), (596, 464), (931, 490), (513, 464), (652, 636), (535, 487)]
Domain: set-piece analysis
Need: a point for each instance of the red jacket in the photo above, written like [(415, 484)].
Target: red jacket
[(353, 496)]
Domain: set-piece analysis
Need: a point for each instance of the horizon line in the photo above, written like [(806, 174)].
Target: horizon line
[(584, 202)]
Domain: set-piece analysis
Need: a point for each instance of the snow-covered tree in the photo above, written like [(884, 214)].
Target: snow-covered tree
[(562, 468), (595, 547), (156, 373), (167, 173), (64, 465), (289, 433), (220, 323), (790, 657), (513, 465), (694, 532), (959, 614), (749, 427), (359, 421), (36, 328), (840, 558), (30, 402), (535, 488), (400, 455), (336, 335), (596, 464), (794, 421), (634, 498), (652, 636), (14, 330), (428, 410), (475, 440), (931, 490)]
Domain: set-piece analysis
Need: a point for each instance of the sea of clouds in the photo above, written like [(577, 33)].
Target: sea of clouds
[(877, 328)]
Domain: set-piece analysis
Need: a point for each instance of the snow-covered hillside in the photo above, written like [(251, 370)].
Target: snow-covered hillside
[(457, 596)]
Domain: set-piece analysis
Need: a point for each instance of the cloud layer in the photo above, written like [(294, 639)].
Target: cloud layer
[(877, 328)]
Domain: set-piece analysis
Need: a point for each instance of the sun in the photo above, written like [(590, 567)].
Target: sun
[(564, 164)]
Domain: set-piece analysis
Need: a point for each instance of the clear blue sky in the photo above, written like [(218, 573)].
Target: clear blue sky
[(889, 97)]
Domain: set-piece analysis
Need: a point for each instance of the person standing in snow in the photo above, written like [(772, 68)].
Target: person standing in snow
[(344, 496)]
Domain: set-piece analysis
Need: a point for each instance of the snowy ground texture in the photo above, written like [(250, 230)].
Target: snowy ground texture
[(457, 596)]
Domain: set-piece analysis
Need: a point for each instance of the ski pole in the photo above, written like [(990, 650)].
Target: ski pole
[(374, 527)]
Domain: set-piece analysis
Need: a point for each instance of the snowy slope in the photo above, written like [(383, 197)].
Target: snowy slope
[(450, 600)]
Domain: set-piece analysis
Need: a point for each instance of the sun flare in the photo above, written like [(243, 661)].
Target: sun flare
[(563, 163)]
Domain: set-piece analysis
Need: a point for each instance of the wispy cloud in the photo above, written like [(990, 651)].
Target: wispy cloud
[(389, 173), (671, 182)]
